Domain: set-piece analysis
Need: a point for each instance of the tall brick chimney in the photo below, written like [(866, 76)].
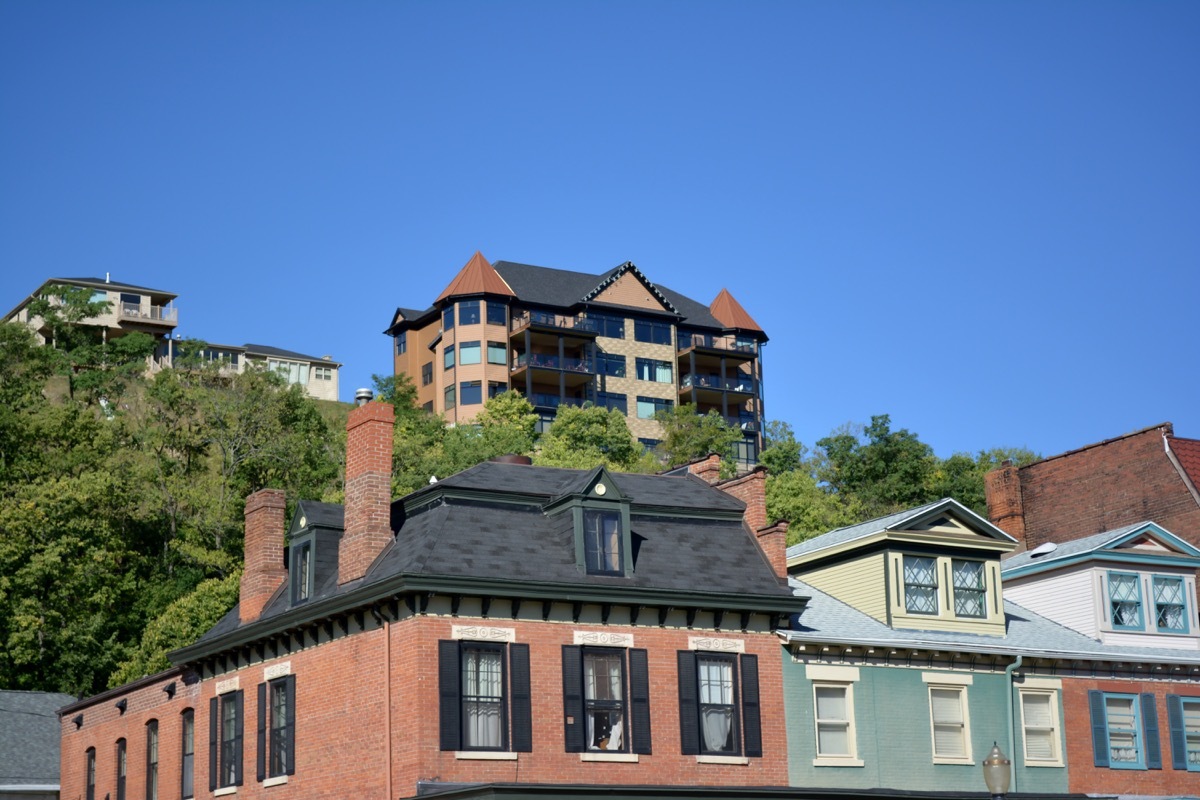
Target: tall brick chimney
[(264, 571), (751, 489), (1006, 509), (368, 514), (707, 469), (773, 541)]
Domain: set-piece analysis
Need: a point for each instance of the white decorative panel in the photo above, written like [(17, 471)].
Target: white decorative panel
[(483, 633), (228, 685), (713, 643), (277, 670), (604, 638)]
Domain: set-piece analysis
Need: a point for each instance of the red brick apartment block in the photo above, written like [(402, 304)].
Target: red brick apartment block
[(1147, 475)]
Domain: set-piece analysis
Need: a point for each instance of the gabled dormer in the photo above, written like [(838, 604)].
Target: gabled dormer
[(312, 550), (1132, 586), (597, 513), (935, 567)]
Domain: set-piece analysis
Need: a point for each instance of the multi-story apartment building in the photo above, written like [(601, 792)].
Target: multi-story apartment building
[(559, 337), (153, 312)]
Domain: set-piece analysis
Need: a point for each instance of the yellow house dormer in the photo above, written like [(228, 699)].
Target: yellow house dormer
[(936, 567)]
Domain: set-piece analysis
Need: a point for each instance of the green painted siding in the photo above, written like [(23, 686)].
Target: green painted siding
[(859, 582), (894, 739)]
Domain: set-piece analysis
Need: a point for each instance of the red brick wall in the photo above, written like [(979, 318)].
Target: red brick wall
[(264, 572), (341, 729), (1105, 486), (368, 488), (1085, 777), (751, 489)]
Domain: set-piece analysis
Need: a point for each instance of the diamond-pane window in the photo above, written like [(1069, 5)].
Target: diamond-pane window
[(969, 589), (920, 585), (1125, 595), (1169, 605)]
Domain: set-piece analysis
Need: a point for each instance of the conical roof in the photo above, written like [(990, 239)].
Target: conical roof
[(476, 277), (729, 312)]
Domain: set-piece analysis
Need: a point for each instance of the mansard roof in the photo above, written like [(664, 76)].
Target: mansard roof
[(1119, 545)]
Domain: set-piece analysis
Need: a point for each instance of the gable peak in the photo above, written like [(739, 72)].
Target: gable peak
[(614, 275), (477, 276), (729, 312)]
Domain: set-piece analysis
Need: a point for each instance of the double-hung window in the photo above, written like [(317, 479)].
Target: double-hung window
[(1125, 601), (1170, 607), (152, 760), (427, 374), (225, 740), (949, 717), (302, 572), (1124, 730), (187, 760), (276, 728), (718, 704), (606, 699), (833, 705), (970, 591), (920, 585), (1183, 714), (485, 700), (602, 542), (1040, 727)]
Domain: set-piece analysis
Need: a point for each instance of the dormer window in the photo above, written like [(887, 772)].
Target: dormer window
[(969, 588), (1125, 598), (1169, 606), (948, 588), (920, 585), (602, 542), (302, 572)]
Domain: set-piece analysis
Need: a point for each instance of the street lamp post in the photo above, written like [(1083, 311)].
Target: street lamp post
[(997, 772)]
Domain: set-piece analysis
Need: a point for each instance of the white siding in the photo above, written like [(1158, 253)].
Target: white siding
[(1068, 597)]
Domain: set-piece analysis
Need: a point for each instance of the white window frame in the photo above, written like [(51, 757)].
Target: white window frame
[(1045, 688), (828, 676), (939, 681)]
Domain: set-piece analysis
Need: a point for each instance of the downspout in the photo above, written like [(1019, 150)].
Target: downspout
[(387, 695), (1012, 741)]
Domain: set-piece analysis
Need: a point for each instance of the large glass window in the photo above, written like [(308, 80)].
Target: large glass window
[(920, 585), (648, 369), (448, 357), (292, 371), (647, 407), (602, 541), (469, 353), (606, 325), (468, 312), (1039, 725), (613, 400), (496, 313), (948, 713), (483, 723), (610, 364), (448, 318), (187, 763), (718, 704), (496, 387), (645, 330), (470, 393), (604, 699), (1170, 607), (152, 760), (497, 352), (833, 705), (970, 591), (1125, 600)]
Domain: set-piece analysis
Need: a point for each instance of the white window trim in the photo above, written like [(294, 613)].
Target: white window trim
[(850, 759), (1055, 723), (627, 758), (993, 609), (278, 780), (224, 791), (960, 685), (734, 760), (484, 755)]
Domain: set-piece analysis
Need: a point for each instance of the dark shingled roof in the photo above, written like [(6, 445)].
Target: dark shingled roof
[(29, 737), (265, 350), (327, 515)]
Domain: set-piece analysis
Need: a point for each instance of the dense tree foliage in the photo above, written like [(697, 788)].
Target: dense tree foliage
[(688, 436)]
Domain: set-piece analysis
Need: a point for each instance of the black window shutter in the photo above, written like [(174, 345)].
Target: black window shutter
[(639, 698), (262, 731), (1178, 734), (573, 723), (240, 717), (213, 730), (290, 731), (689, 713), (522, 705), (1150, 728), (751, 711), (449, 694), (1099, 728)]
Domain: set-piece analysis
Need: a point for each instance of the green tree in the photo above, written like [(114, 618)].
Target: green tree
[(961, 475), (582, 438), (809, 509), (689, 435), (782, 452), (883, 469)]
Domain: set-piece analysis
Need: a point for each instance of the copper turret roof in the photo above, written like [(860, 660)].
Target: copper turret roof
[(729, 312), (476, 277)]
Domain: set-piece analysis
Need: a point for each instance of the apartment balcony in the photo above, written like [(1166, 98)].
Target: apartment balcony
[(546, 400), (712, 390), (546, 325), (547, 368), (147, 314), (735, 348)]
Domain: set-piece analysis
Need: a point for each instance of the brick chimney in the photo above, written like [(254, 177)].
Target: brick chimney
[(773, 541), (708, 469), (751, 489), (264, 571), (368, 514), (1006, 509)]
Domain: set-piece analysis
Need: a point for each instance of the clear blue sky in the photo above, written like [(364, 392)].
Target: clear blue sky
[(980, 218)]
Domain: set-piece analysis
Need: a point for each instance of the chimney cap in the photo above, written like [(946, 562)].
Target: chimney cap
[(363, 396), (513, 458)]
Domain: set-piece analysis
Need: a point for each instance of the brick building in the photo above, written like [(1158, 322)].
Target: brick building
[(559, 337), (1149, 474), (509, 625)]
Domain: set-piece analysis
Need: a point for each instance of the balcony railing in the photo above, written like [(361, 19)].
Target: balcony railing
[(155, 313), (706, 340), (544, 400), (545, 361), (738, 384), (550, 320)]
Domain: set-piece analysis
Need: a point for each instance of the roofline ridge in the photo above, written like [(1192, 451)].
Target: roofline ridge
[(1162, 425)]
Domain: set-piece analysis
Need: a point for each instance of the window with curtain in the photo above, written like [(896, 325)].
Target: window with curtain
[(1170, 608), (483, 725), (1125, 600), (718, 718), (187, 762), (604, 700), (970, 590), (920, 585), (833, 710), (602, 542), (948, 710), (649, 369), (1039, 725)]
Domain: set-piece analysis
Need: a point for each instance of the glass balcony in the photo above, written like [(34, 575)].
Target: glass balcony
[(744, 384), (546, 361), (707, 341), (546, 319)]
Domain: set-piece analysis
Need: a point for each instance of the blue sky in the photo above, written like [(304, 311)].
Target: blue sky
[(980, 218)]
